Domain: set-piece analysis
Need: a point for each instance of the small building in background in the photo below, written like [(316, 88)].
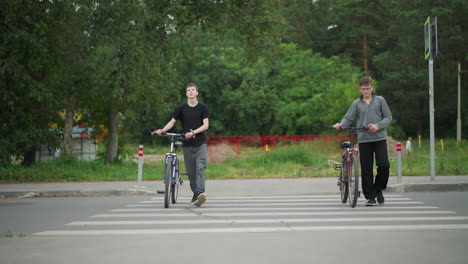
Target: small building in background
[(84, 146)]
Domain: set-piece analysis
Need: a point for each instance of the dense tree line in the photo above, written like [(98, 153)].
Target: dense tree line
[(263, 67)]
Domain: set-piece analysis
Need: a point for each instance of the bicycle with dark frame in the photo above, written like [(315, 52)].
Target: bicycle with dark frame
[(348, 181), (172, 174)]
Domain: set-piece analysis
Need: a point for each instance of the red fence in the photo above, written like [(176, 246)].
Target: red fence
[(268, 141)]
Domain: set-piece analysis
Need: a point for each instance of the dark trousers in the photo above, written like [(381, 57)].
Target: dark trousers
[(367, 150), (195, 163)]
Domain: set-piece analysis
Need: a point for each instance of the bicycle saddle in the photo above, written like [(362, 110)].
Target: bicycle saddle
[(178, 144), (345, 144)]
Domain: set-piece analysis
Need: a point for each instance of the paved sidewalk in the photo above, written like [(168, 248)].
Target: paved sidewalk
[(237, 187)]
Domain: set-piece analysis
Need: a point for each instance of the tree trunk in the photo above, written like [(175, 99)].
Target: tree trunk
[(113, 137), (67, 134), (365, 53), (29, 157)]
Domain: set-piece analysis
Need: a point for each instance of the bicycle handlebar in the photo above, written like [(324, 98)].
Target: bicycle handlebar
[(353, 128), (167, 134)]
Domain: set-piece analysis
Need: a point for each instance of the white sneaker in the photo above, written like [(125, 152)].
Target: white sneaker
[(200, 200)]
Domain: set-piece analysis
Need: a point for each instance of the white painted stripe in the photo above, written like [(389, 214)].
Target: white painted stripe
[(281, 200), (336, 202), (352, 212), (247, 229), (269, 197), (342, 207), (148, 209), (266, 221)]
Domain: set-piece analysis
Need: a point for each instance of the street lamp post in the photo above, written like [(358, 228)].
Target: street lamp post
[(459, 104)]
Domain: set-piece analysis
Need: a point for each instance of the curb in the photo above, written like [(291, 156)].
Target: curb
[(428, 187), (397, 188), (73, 193)]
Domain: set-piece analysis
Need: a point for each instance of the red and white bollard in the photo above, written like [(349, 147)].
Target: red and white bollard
[(398, 151), (140, 165)]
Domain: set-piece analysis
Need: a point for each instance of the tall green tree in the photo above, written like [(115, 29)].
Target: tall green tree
[(28, 104), (404, 71), (72, 41)]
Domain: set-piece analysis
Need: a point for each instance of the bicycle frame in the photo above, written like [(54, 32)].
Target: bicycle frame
[(349, 176), (347, 158), (174, 162), (172, 173)]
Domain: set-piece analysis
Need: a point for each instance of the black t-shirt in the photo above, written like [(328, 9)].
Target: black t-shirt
[(192, 118)]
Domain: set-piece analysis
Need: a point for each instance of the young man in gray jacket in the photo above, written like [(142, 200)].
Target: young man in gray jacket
[(371, 111)]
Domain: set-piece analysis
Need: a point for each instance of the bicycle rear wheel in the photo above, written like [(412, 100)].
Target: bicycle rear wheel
[(353, 181), (344, 187), (167, 181), (176, 183)]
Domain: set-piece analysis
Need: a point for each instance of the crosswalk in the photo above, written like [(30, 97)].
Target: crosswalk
[(263, 214)]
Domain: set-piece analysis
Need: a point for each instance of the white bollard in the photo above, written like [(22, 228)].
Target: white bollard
[(140, 165), (398, 149)]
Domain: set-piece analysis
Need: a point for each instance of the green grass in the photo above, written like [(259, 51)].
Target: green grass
[(302, 160), (10, 234), (450, 161)]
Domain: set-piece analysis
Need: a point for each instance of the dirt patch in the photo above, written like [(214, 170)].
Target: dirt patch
[(220, 153), (216, 153), (148, 158)]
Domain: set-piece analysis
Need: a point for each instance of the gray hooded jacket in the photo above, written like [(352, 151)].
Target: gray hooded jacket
[(376, 112)]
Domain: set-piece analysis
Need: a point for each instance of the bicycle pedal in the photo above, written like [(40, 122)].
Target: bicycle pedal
[(337, 166), (181, 182)]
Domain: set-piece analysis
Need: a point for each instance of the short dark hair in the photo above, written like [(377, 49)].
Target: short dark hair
[(366, 80), (191, 85)]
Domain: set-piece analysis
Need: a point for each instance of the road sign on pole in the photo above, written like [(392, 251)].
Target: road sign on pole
[(427, 38)]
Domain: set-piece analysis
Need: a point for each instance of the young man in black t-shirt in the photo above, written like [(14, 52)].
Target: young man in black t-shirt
[(194, 117)]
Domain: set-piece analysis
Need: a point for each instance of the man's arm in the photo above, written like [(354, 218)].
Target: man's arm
[(350, 115), (387, 115), (166, 128), (205, 126)]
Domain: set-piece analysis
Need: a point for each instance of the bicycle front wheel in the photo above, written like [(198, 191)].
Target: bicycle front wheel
[(353, 181), (344, 187), (168, 181), (176, 183)]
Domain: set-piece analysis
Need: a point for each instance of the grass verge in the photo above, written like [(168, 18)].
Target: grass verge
[(285, 161)]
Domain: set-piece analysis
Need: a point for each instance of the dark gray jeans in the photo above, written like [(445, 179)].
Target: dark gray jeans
[(195, 163)]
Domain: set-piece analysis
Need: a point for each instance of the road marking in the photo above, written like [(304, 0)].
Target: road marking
[(269, 197), (281, 200), (248, 230), (268, 208), (352, 212), (209, 204), (265, 221)]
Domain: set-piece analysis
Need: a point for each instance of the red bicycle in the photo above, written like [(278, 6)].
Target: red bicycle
[(348, 181)]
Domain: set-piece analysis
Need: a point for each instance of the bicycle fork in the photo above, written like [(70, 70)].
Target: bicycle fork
[(172, 166)]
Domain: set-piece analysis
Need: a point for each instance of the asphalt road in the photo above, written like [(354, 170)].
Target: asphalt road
[(409, 228)]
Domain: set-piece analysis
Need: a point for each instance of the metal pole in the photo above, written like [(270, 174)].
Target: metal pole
[(431, 115), (459, 104), (398, 149), (140, 165)]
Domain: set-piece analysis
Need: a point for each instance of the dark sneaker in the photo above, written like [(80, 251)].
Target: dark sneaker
[(200, 199), (194, 199), (371, 202), (380, 197)]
